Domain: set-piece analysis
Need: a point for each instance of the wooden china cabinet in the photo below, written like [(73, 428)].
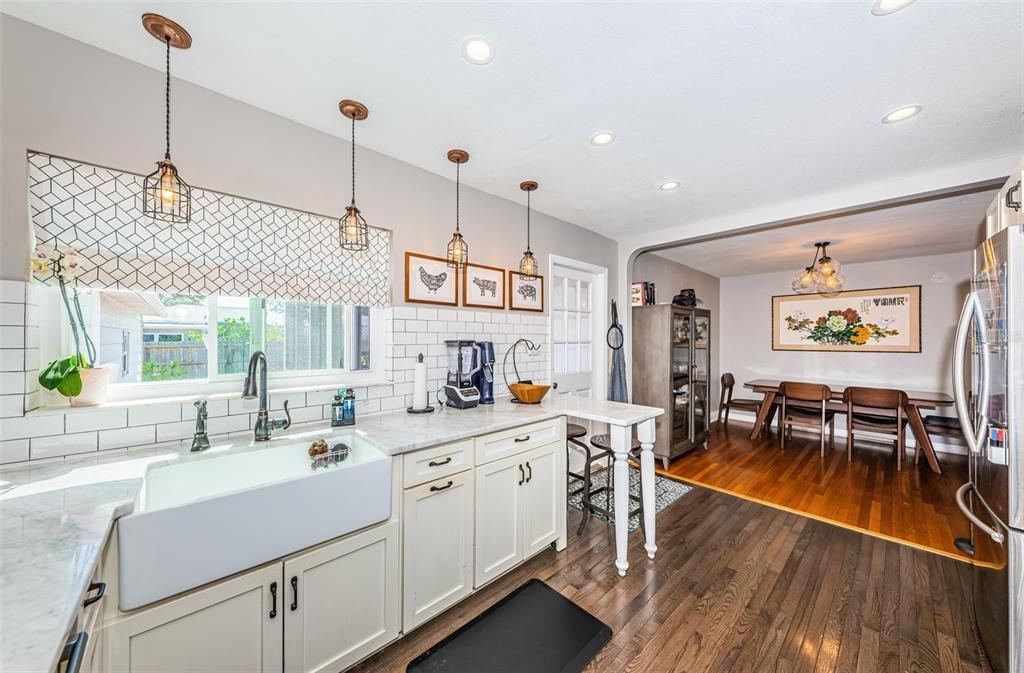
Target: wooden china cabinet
[(671, 365)]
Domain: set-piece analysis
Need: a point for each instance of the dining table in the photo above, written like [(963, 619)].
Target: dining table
[(918, 399)]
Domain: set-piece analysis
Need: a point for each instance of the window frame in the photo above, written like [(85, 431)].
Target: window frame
[(225, 384)]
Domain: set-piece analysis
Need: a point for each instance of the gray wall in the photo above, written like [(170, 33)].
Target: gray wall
[(67, 98), (671, 277)]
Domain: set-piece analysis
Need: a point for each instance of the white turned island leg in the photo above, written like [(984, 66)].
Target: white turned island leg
[(622, 439), (645, 433)]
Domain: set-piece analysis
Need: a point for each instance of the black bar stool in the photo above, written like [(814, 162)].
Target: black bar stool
[(602, 444), (573, 432)]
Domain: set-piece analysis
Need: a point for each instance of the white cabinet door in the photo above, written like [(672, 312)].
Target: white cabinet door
[(540, 497), (499, 541), (342, 600), (437, 539), (234, 626)]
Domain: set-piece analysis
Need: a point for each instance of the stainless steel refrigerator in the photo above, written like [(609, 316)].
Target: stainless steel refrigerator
[(988, 384)]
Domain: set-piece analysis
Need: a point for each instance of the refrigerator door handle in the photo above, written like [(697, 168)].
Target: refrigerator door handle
[(974, 432), (965, 509)]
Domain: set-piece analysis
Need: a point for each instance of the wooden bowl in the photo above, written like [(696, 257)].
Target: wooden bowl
[(528, 393)]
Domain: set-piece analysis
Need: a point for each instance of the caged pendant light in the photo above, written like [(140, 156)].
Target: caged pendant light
[(458, 251), (353, 232), (165, 196), (528, 264)]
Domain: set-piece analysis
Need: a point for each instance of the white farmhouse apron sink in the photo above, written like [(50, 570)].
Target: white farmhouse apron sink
[(206, 516)]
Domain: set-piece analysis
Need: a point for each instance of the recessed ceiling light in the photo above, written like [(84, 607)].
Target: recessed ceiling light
[(602, 138), (477, 51), (901, 114), (883, 7), (669, 186)]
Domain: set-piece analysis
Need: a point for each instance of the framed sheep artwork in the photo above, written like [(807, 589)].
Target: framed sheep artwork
[(483, 286), (525, 293), (429, 280)]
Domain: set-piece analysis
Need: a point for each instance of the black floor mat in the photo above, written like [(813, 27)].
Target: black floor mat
[(532, 630)]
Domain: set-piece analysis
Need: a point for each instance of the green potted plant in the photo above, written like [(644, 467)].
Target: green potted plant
[(74, 376)]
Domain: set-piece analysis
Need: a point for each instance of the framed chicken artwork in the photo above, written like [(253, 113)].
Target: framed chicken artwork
[(429, 280)]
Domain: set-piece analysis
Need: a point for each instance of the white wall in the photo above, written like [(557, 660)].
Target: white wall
[(746, 338), (70, 99), (670, 277)]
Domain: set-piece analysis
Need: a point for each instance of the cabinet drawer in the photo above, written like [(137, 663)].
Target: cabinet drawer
[(516, 440), (419, 467)]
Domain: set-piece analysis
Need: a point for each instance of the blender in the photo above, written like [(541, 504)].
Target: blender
[(484, 379), (463, 362)]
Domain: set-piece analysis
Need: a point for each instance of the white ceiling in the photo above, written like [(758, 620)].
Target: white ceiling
[(929, 228), (738, 101)]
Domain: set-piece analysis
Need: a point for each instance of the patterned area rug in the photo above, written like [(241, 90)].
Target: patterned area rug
[(666, 492)]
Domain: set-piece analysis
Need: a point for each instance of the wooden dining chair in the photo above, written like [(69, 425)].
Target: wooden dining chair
[(894, 423), (727, 401), (817, 417)]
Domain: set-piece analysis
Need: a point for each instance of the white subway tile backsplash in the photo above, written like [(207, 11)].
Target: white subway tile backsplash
[(404, 312), (12, 314), (14, 451), (12, 359), (415, 325), (12, 406), (31, 358), (307, 414), (32, 426), (447, 314), (12, 337), (126, 437), (277, 400), (33, 294), (169, 432), (237, 405), (85, 420), (320, 397), (62, 445), (226, 424), (31, 337), (214, 408), (151, 414), (427, 338), (12, 291)]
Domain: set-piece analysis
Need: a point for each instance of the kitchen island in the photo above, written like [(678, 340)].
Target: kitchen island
[(57, 518)]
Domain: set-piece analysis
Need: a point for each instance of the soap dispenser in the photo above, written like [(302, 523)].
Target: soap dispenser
[(348, 408), (338, 410)]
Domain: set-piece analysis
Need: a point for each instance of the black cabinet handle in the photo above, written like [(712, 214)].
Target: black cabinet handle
[(74, 653), (1010, 201), (295, 593), (522, 475), (523, 439), (529, 475), (439, 463), (273, 597), (441, 488), (100, 588)]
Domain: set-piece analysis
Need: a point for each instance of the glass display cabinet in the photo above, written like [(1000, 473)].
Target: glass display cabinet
[(671, 370)]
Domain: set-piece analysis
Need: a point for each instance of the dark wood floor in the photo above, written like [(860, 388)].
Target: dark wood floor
[(738, 586), (915, 506)]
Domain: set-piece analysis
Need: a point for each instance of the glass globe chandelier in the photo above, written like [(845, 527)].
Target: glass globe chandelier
[(353, 232), (458, 250), (822, 276), (165, 196), (528, 264)]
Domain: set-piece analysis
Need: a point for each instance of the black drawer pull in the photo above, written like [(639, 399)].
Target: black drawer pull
[(523, 439), (295, 593), (529, 475), (522, 475), (273, 597), (441, 488), (439, 463), (100, 588), (74, 653)]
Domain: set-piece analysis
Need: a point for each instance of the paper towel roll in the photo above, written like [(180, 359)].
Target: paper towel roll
[(419, 384)]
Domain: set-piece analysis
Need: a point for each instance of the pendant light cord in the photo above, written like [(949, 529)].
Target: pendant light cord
[(528, 221), (167, 101), (353, 160), (457, 179)]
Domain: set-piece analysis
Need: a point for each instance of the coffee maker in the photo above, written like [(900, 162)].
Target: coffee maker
[(484, 379), (463, 363)]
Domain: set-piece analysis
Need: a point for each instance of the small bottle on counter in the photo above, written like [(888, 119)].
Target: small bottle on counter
[(338, 410), (348, 408)]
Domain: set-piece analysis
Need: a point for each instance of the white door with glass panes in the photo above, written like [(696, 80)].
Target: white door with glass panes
[(579, 355)]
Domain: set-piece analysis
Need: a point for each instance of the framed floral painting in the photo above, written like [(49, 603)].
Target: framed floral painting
[(883, 320)]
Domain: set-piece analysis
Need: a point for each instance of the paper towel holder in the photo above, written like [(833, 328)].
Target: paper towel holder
[(427, 409)]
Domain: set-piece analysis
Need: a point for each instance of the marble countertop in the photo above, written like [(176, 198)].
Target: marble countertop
[(55, 517)]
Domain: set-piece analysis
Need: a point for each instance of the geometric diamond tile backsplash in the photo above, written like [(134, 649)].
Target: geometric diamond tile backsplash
[(232, 246)]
